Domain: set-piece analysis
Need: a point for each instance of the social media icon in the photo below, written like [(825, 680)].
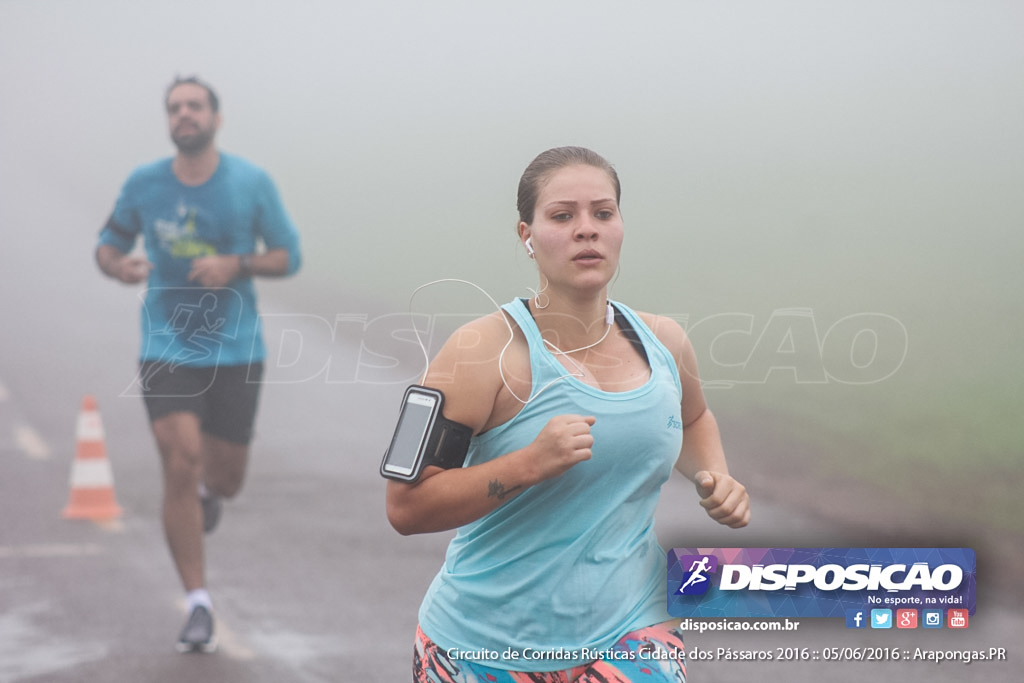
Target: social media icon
[(906, 618), (856, 618), (957, 618), (931, 618), (881, 618)]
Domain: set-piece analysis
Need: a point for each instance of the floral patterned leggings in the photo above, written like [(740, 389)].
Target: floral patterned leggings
[(649, 655)]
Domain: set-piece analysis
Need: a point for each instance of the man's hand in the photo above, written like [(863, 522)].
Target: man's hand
[(132, 270), (128, 269), (215, 271), (724, 498)]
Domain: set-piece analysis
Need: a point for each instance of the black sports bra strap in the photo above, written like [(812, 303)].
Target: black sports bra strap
[(627, 330)]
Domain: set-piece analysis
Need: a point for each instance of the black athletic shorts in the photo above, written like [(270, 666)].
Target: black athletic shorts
[(223, 397)]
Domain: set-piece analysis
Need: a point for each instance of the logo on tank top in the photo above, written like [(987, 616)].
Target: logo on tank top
[(674, 423)]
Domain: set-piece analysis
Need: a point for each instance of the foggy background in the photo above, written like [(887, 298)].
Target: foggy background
[(837, 160), (827, 195), (787, 168)]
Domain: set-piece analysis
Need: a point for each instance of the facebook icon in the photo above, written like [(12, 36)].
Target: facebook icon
[(855, 618)]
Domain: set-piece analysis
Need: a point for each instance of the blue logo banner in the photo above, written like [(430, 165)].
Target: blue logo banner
[(818, 582)]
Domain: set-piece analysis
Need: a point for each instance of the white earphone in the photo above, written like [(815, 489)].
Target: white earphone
[(529, 247)]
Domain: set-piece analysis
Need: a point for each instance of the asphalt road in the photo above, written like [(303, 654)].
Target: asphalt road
[(310, 583)]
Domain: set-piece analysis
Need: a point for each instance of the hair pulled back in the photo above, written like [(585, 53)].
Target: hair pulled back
[(545, 164)]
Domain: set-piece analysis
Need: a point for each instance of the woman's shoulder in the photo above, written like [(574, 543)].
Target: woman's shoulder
[(482, 335), (470, 347), (467, 368), (667, 330), (674, 338)]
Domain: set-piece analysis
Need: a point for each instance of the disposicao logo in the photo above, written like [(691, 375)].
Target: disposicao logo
[(697, 579), (818, 582)]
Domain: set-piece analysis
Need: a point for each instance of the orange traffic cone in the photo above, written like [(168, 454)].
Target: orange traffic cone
[(92, 479)]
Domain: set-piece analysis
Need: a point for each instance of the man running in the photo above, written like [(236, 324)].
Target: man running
[(210, 223)]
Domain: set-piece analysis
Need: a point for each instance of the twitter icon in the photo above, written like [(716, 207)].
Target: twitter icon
[(881, 618)]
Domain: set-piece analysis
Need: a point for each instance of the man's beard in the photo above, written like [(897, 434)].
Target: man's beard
[(193, 142)]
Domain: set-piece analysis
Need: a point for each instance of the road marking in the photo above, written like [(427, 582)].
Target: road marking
[(26, 438), (30, 443), (230, 645), (112, 525), (50, 550)]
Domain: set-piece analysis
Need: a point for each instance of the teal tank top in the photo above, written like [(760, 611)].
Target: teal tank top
[(571, 564)]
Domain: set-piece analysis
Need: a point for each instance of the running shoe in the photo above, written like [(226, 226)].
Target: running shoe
[(212, 505), (197, 636)]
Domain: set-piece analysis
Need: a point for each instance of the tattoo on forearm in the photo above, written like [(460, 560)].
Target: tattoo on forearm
[(496, 489)]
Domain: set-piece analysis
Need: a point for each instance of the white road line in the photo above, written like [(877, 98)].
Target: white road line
[(49, 550), (229, 644), (31, 443), (27, 439), (112, 525)]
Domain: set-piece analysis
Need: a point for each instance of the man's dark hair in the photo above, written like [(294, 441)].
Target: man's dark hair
[(193, 80)]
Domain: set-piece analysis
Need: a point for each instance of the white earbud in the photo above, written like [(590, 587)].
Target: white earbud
[(529, 247)]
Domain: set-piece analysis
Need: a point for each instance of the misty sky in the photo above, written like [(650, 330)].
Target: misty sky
[(839, 156), (408, 118)]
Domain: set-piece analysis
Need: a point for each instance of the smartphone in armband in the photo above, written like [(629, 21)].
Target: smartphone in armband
[(424, 437)]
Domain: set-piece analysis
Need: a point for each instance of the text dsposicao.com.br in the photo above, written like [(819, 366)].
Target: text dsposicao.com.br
[(704, 625)]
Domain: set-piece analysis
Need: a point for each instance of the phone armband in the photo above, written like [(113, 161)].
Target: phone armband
[(424, 436)]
